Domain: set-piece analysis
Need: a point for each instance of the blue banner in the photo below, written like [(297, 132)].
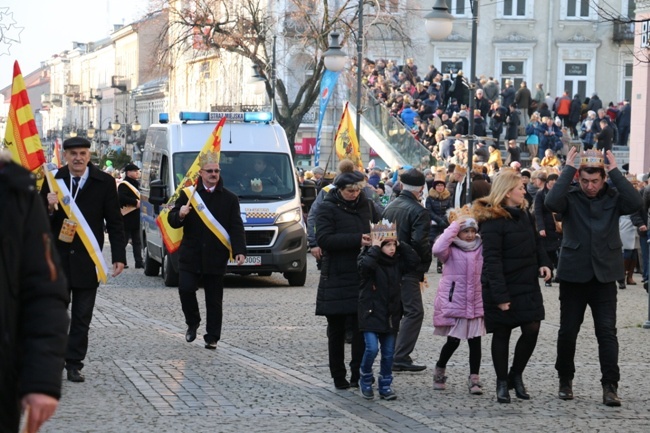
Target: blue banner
[(327, 83)]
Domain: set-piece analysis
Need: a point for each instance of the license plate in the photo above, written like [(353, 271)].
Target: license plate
[(250, 261)]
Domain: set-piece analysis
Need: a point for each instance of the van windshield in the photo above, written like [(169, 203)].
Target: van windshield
[(250, 175)]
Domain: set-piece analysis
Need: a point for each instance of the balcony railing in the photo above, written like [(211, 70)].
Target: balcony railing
[(398, 138), (623, 32)]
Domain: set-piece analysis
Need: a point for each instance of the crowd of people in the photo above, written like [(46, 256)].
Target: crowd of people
[(435, 105), (495, 245)]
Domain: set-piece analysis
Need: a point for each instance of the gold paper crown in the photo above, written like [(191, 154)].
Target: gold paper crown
[(462, 213), (383, 230), (209, 157), (592, 158)]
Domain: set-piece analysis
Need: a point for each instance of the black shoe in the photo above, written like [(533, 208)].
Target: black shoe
[(610, 397), (341, 383), (212, 345), (566, 389), (503, 396), (407, 366), (515, 381), (126, 266), (139, 266), (354, 383), (190, 334), (74, 375)]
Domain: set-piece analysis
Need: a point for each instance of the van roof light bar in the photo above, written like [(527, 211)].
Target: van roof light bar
[(252, 116)]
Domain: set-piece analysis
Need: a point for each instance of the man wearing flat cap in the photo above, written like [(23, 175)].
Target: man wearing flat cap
[(129, 194), (82, 199), (413, 224)]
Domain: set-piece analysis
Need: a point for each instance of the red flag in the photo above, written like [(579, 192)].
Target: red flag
[(21, 136)]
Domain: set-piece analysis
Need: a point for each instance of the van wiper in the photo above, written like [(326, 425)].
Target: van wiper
[(261, 197)]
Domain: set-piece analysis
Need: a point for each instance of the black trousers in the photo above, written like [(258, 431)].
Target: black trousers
[(601, 298), (81, 314), (136, 242), (188, 284), (336, 326)]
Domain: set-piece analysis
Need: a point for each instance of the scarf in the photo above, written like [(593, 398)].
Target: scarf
[(467, 246)]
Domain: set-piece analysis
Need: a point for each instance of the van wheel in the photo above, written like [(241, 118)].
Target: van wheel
[(151, 267), (297, 278), (170, 276)]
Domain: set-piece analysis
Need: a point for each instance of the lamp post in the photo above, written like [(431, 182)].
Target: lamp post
[(259, 82), (438, 22), (334, 59)]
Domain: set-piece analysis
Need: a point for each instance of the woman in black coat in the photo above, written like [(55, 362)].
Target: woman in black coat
[(545, 223), (342, 228), (438, 203), (512, 260)]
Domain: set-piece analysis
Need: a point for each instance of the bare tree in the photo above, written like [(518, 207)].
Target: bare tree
[(608, 12), (247, 28)]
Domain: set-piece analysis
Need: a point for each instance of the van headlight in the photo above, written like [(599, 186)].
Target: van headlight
[(292, 215)]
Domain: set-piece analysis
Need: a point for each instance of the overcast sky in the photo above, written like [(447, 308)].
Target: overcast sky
[(47, 27)]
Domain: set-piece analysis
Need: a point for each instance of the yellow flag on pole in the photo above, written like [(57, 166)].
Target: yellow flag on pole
[(347, 146), (172, 237), (21, 136)]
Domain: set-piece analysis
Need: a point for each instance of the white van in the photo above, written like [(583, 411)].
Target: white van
[(273, 220)]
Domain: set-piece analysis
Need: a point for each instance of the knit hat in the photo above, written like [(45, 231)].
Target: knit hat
[(467, 223), (412, 177)]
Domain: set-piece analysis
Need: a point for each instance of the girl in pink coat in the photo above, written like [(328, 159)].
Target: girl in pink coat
[(458, 307)]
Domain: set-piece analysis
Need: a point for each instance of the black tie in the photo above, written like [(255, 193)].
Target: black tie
[(75, 184)]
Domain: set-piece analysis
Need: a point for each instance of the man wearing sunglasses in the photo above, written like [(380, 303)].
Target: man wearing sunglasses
[(213, 232)]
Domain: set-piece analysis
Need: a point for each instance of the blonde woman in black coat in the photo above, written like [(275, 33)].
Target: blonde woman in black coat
[(512, 261)]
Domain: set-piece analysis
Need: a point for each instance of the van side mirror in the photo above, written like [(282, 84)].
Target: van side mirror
[(157, 192)]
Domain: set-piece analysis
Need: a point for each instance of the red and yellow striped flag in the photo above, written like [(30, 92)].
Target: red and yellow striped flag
[(172, 237), (21, 136), (347, 146)]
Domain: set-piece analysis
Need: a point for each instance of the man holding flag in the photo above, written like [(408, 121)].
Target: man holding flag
[(213, 233), (80, 197)]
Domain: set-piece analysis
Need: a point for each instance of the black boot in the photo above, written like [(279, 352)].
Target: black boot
[(610, 396), (503, 396), (566, 389), (515, 381)]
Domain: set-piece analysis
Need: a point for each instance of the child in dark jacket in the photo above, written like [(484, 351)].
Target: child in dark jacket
[(382, 267), (458, 306)]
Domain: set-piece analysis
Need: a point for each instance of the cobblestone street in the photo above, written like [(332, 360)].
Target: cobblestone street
[(269, 372)]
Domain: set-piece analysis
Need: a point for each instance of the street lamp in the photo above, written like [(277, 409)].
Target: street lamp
[(90, 132), (438, 23), (334, 59)]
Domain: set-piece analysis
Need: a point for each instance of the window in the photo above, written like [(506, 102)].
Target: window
[(576, 9), (459, 7), (388, 5), (627, 81), (514, 71), (514, 8), (451, 67), (575, 79)]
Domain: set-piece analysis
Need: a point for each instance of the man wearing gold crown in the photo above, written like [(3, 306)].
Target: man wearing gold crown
[(590, 261), (213, 232)]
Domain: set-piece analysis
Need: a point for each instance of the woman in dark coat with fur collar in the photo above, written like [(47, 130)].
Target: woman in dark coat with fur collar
[(512, 261), (342, 228)]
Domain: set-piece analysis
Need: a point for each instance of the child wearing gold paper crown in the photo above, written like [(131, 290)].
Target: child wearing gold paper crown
[(382, 266), (458, 307)]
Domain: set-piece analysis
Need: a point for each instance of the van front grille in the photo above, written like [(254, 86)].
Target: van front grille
[(261, 237)]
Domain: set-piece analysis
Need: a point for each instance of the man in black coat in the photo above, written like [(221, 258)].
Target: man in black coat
[(590, 261), (413, 225), (129, 194), (94, 193), (202, 253), (33, 304), (605, 137)]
